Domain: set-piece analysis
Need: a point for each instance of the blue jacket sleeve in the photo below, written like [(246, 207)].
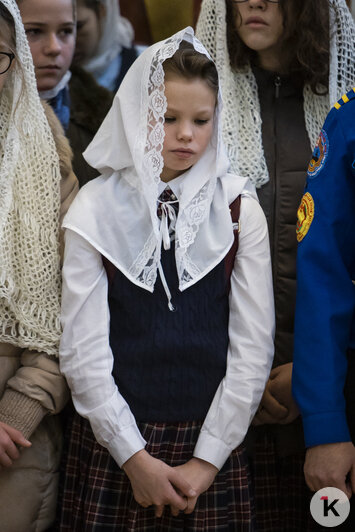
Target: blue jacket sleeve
[(324, 328)]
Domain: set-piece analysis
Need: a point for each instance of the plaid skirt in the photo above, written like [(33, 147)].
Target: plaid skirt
[(96, 495), (282, 497)]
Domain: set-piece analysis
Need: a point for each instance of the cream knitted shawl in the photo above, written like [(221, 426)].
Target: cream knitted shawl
[(29, 209), (241, 117)]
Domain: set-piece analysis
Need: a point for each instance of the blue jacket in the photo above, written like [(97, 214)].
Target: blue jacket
[(325, 320)]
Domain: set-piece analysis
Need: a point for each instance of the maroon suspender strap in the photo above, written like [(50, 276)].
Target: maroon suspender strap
[(110, 270), (230, 257)]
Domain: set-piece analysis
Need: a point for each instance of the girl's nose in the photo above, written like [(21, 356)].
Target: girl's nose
[(261, 4), (184, 131), (52, 46)]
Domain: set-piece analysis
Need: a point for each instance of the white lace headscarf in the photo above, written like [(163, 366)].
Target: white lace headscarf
[(117, 213), (29, 209), (116, 33), (242, 121)]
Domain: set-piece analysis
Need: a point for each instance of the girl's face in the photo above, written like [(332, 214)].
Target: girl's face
[(259, 24), (88, 33), (50, 30), (188, 124)]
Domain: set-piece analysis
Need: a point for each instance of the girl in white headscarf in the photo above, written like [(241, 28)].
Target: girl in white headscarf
[(162, 348), (282, 65), (36, 188), (104, 44)]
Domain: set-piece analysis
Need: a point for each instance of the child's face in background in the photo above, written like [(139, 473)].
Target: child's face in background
[(88, 32), (50, 30), (260, 26), (188, 124)]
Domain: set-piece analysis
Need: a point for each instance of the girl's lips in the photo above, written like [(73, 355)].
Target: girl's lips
[(255, 22), (49, 67), (183, 154)]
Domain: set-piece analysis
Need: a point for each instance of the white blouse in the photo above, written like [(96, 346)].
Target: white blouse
[(86, 358)]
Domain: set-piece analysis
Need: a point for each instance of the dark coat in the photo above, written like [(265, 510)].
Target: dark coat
[(129, 55), (89, 105), (287, 157)]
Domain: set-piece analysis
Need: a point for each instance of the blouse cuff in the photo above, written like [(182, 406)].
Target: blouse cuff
[(212, 450), (127, 443)]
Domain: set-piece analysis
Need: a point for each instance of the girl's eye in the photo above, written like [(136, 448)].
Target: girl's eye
[(66, 31), (169, 119), (80, 24), (200, 122), (32, 32)]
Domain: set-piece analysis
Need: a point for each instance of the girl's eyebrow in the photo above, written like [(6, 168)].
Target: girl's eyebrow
[(172, 109), (41, 24)]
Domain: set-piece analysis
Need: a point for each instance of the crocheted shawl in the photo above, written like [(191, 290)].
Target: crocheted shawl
[(241, 119), (29, 209)]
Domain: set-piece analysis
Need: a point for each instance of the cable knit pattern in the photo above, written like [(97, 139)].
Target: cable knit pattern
[(168, 365)]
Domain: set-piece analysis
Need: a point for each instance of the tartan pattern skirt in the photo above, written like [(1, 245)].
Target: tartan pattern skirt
[(96, 495), (282, 497)]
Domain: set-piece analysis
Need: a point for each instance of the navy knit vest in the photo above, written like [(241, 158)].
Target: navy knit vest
[(168, 365)]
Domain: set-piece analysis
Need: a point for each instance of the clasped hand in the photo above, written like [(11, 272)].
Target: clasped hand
[(277, 404), (10, 438), (155, 483)]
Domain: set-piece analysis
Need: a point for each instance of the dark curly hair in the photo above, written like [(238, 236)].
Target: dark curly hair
[(304, 45)]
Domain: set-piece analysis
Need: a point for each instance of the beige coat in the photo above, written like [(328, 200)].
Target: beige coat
[(31, 387)]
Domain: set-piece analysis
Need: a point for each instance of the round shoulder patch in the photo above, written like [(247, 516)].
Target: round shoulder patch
[(305, 215), (319, 156)]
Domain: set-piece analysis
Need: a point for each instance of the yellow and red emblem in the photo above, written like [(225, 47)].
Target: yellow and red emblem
[(319, 156), (305, 215)]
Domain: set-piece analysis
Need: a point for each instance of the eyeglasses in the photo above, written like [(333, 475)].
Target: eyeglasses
[(5, 61), (243, 1)]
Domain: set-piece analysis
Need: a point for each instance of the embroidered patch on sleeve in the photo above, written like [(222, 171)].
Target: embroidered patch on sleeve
[(305, 215), (319, 155)]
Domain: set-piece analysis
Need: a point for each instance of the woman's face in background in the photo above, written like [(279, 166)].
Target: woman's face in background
[(88, 32), (50, 30), (259, 24)]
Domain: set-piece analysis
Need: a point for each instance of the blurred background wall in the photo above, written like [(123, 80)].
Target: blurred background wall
[(154, 20)]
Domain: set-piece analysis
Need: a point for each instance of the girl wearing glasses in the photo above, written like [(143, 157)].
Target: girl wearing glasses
[(36, 187), (281, 69)]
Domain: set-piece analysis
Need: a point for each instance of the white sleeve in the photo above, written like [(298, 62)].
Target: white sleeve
[(251, 346), (86, 358)]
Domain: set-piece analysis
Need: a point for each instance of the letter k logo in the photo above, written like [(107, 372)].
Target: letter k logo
[(329, 507)]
